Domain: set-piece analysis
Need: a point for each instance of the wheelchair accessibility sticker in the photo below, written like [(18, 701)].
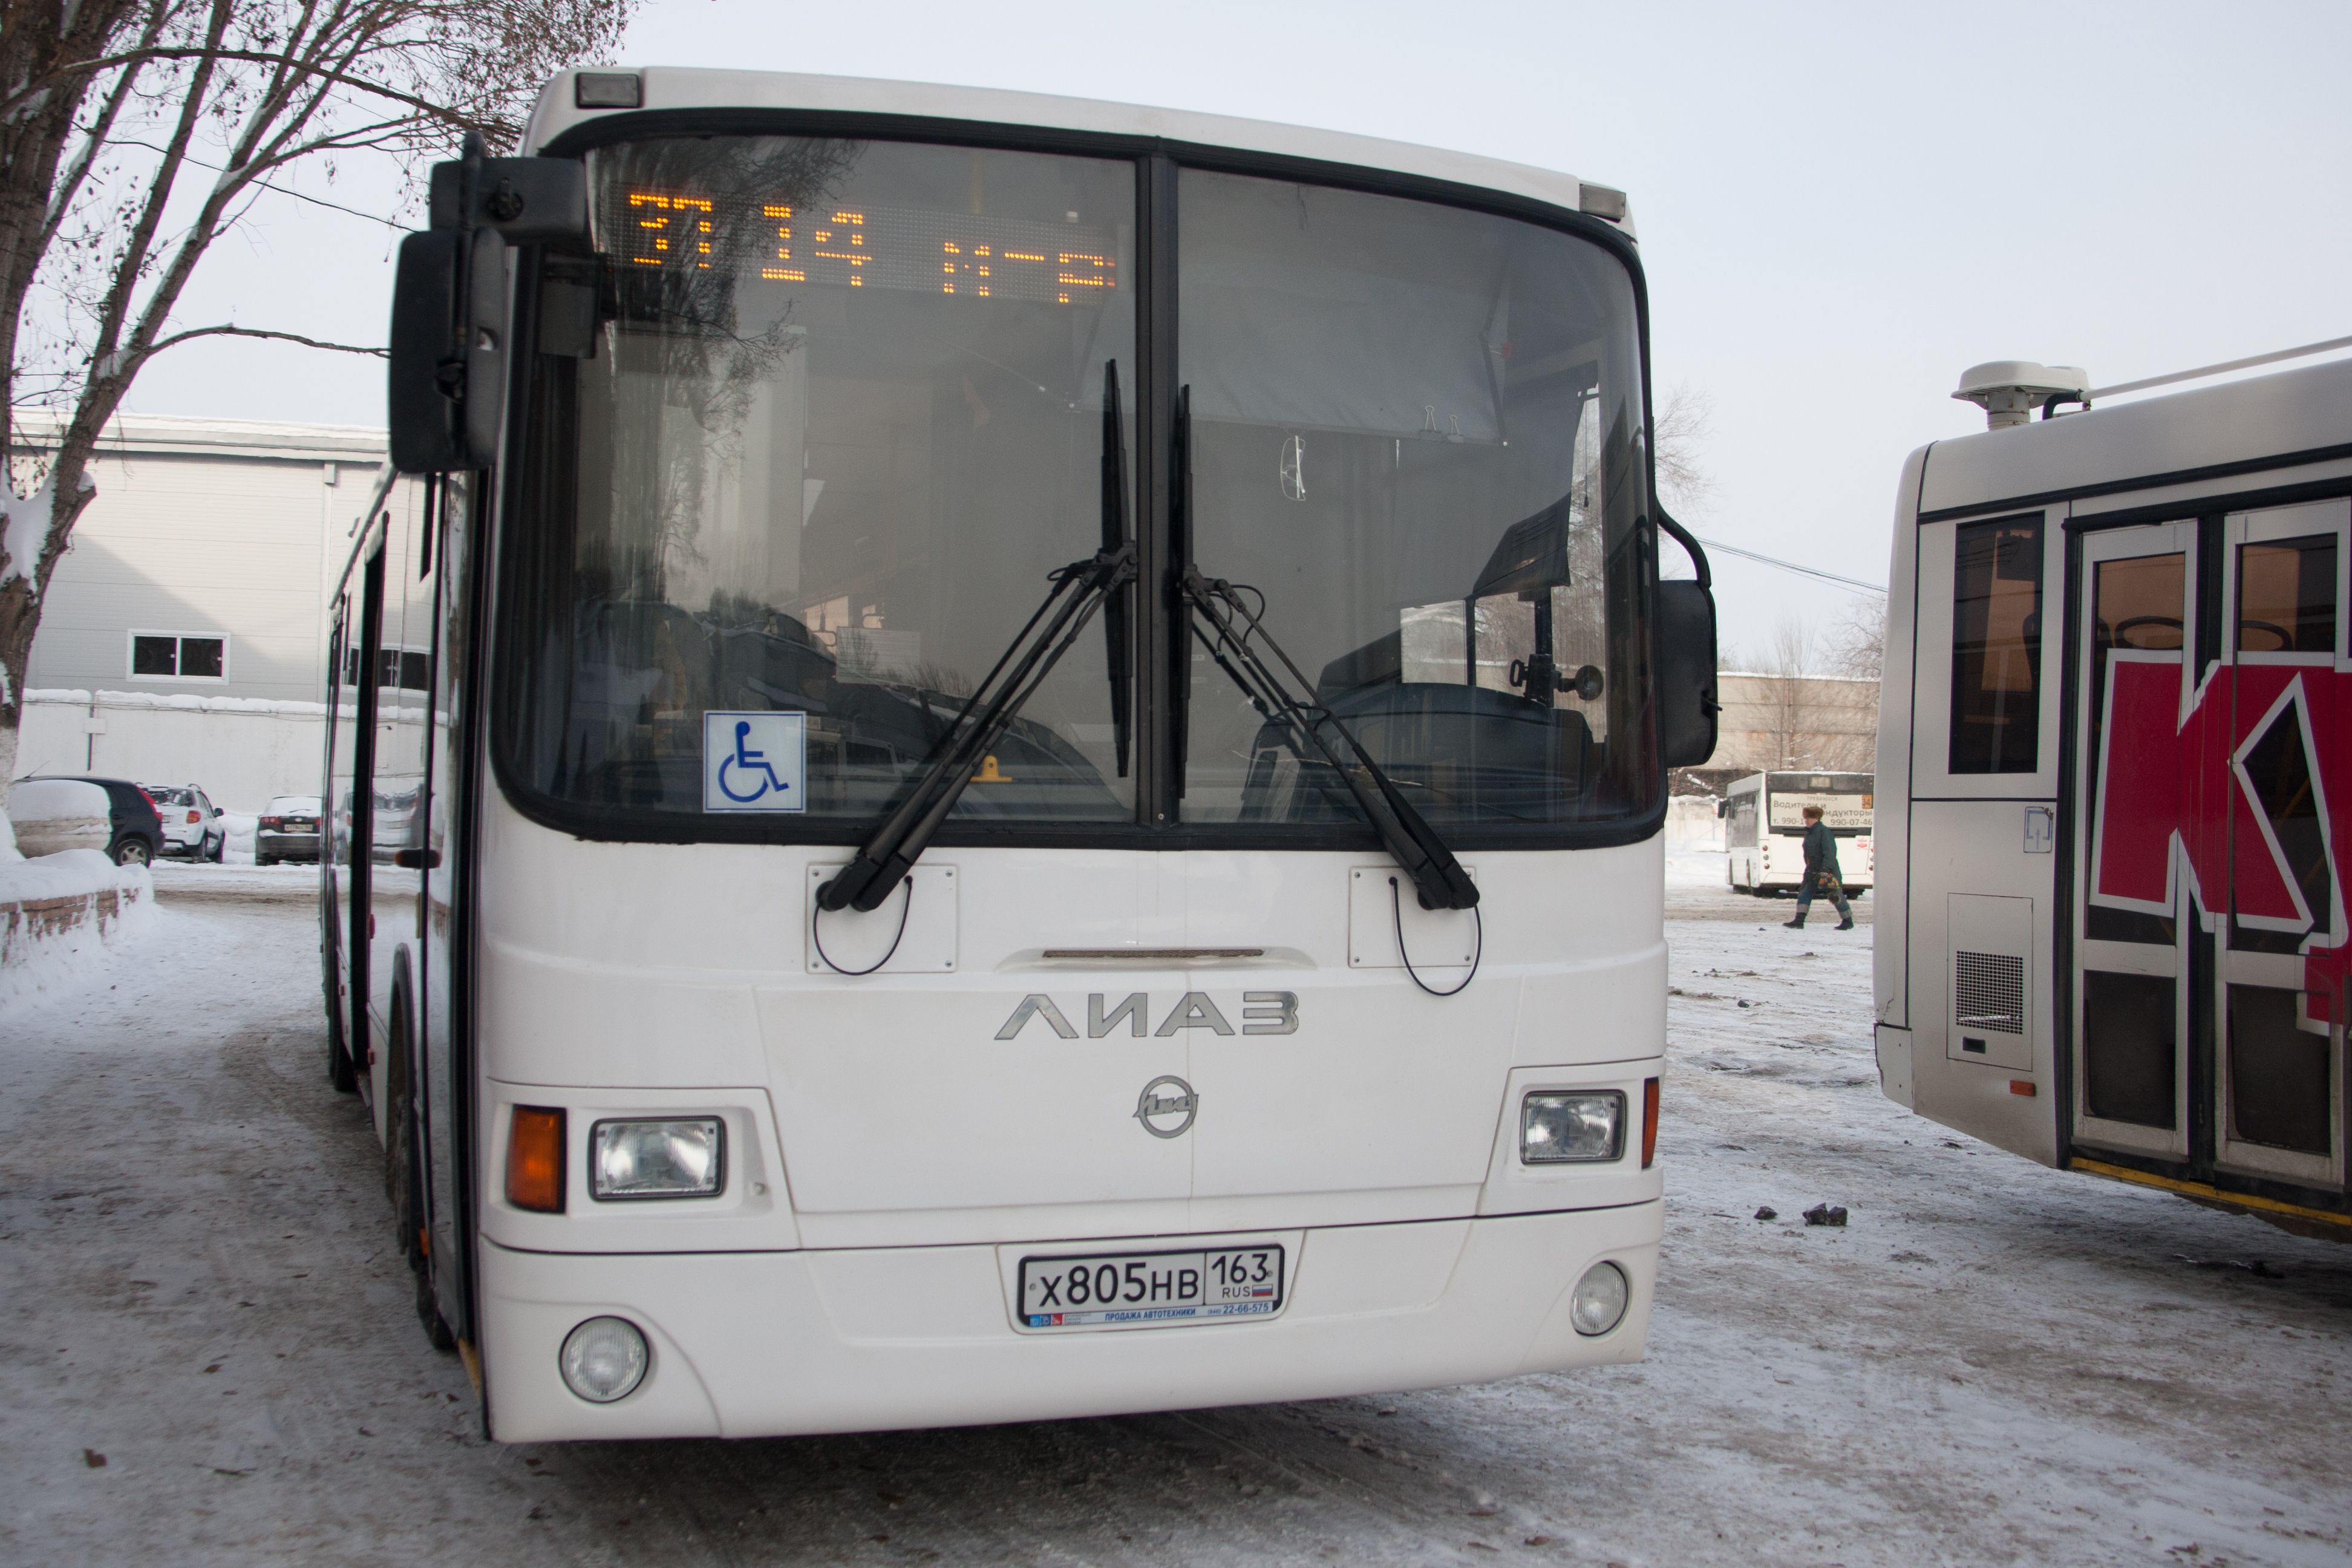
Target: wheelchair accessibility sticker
[(754, 761)]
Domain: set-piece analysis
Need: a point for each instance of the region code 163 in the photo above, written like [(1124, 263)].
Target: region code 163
[(1151, 1286)]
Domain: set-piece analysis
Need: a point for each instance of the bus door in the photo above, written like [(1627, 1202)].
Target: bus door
[(345, 814), (334, 871), (397, 663), (2276, 1096), (2210, 934), (2131, 992)]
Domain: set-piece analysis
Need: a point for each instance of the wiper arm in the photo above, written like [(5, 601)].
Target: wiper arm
[(1081, 588), (1114, 538), (1227, 627)]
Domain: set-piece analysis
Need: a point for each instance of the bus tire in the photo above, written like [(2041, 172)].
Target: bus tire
[(403, 1172)]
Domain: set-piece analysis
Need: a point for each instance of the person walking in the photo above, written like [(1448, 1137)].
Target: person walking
[(1822, 873)]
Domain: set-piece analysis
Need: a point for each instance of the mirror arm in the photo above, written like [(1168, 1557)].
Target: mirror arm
[(1683, 537)]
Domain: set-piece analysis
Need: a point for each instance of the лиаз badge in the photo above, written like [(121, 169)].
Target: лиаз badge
[(754, 761)]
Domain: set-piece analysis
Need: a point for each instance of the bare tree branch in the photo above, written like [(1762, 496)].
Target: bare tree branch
[(1683, 430), (97, 247), (162, 343), (424, 108), (61, 200)]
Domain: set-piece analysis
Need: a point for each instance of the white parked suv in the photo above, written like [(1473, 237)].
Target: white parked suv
[(193, 828)]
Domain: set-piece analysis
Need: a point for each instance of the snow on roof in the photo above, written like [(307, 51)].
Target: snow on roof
[(360, 445)]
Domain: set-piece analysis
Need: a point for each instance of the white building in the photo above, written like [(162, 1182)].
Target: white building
[(203, 565)]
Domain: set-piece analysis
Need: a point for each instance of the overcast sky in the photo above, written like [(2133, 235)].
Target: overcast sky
[(1841, 207)]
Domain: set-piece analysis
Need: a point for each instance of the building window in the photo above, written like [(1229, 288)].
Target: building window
[(178, 656), (398, 669)]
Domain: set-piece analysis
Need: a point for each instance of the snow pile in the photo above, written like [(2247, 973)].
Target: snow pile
[(181, 701), (8, 850), (53, 816), (240, 826), (73, 874), (59, 916), (1696, 866)]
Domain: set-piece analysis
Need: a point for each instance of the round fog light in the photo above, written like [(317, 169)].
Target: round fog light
[(1599, 1303), (605, 1358)]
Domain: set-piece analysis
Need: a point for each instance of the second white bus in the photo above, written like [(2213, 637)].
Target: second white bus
[(1764, 829)]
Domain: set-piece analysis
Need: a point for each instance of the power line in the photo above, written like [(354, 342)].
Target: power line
[(1792, 565), (265, 184)]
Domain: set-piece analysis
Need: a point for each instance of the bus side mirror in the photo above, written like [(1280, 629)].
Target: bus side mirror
[(1687, 708), (426, 384), (446, 379)]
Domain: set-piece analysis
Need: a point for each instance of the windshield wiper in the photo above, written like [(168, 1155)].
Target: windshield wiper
[(1099, 583), (1113, 538), (1227, 627)]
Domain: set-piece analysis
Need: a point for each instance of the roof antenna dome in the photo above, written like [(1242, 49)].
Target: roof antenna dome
[(2008, 389)]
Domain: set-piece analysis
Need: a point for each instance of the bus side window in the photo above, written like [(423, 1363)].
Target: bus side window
[(1997, 648), (2286, 595)]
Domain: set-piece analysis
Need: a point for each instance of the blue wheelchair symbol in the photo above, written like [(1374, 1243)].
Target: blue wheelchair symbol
[(754, 761), (748, 759)]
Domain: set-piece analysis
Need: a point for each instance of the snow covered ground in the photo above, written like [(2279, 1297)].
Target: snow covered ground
[(210, 1356)]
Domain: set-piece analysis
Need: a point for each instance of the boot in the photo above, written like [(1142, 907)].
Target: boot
[(1797, 924), (1845, 924)]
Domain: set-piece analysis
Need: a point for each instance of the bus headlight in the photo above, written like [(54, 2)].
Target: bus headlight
[(1599, 1303), (603, 1359), (1562, 1126), (658, 1158)]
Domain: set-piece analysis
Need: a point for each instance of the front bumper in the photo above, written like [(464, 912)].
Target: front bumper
[(750, 1344)]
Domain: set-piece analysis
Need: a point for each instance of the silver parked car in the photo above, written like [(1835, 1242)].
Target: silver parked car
[(193, 828)]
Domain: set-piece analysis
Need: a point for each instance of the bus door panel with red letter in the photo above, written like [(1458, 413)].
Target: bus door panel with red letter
[(2138, 621), (2272, 763)]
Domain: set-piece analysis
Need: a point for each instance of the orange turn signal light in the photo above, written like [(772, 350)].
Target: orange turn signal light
[(535, 1159), (2022, 1086), (1649, 1122)]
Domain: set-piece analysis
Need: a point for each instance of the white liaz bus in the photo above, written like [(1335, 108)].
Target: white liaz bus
[(1042, 779), (2111, 931), (1764, 829)]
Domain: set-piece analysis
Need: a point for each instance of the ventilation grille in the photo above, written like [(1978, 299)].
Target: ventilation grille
[(1989, 991)]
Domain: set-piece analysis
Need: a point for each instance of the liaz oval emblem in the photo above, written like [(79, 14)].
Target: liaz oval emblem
[(1158, 1112)]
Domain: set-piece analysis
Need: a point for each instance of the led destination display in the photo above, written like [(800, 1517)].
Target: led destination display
[(969, 254)]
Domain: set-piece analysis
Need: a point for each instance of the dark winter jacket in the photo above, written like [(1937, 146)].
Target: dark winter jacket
[(1821, 851)]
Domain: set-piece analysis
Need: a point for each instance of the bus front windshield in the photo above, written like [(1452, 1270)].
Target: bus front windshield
[(807, 434)]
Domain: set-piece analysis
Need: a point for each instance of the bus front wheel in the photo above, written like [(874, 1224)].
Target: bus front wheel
[(402, 1173)]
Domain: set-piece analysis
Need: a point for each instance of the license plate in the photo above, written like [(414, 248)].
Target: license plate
[(301, 825), (1115, 1287)]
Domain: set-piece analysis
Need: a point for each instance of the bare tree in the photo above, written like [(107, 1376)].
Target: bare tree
[(1794, 716), (1783, 691), (1680, 435), (135, 133), (1857, 643), (1684, 427)]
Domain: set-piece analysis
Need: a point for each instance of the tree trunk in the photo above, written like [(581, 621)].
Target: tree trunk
[(22, 593)]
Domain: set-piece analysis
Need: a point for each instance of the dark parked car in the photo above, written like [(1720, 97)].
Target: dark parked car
[(289, 830), (134, 828)]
